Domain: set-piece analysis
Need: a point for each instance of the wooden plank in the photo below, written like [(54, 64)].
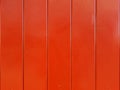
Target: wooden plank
[(11, 47), (107, 48), (0, 46), (35, 74), (83, 56), (59, 68)]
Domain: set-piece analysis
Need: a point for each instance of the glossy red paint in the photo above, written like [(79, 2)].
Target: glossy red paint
[(11, 45), (59, 45), (0, 45), (59, 68), (35, 69), (107, 46), (83, 45)]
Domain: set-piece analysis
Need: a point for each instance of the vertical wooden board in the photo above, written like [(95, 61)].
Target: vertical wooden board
[(107, 48), (11, 39), (59, 45), (83, 58), (35, 76), (0, 46)]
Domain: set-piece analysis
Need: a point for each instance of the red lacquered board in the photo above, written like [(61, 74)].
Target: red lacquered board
[(0, 45), (59, 67), (107, 48), (59, 45), (35, 69), (11, 44), (83, 45)]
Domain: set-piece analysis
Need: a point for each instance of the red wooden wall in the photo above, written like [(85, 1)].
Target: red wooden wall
[(59, 45)]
